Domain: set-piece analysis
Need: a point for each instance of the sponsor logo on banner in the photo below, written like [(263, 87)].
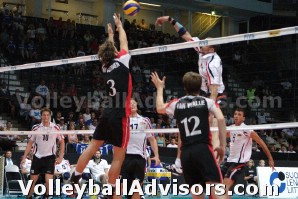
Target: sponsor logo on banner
[(94, 57), (274, 33), (13, 67), (203, 43), (280, 176), (37, 65), (249, 36), (280, 183), (64, 61), (162, 48)]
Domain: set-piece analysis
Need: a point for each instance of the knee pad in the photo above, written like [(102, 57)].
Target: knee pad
[(66, 175), (86, 176)]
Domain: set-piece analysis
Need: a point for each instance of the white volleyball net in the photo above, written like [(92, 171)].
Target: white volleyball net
[(250, 76)]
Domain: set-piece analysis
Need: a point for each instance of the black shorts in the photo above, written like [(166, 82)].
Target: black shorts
[(133, 168), (115, 131), (233, 170), (199, 164), (43, 165)]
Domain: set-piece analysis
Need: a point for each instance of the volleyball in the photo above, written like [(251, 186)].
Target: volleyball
[(131, 8)]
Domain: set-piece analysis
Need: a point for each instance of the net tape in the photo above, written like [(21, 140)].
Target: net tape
[(172, 130), (164, 48)]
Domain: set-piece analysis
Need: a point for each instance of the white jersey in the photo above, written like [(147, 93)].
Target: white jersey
[(240, 145), (210, 68), (26, 165), (137, 141), (63, 167), (97, 169), (45, 145)]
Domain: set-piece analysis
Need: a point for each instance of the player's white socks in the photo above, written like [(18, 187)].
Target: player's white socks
[(77, 173), (178, 163)]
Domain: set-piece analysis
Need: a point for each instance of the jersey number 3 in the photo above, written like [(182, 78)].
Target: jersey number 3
[(112, 91), (195, 130)]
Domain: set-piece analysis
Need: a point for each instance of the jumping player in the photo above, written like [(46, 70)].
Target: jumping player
[(114, 124)]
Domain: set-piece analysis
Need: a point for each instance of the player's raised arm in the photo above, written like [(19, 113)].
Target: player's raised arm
[(122, 34), (110, 32), (159, 84), (183, 33), (259, 141)]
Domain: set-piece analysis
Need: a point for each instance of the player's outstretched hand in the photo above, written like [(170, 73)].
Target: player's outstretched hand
[(160, 20), (220, 154), (157, 81), (110, 29), (117, 20)]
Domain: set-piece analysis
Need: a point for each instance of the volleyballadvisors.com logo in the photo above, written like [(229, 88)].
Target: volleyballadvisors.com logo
[(57, 188)]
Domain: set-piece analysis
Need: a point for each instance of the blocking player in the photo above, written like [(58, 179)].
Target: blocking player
[(114, 124), (241, 149), (192, 113)]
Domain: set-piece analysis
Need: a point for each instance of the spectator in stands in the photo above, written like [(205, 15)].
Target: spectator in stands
[(93, 125), (143, 25), (229, 119), (153, 124), (62, 125), (87, 115), (250, 175), (31, 32), (42, 89), (291, 149), (172, 144), (161, 141), (99, 168), (90, 121), (70, 118), (72, 139), (86, 139), (262, 163), (14, 103), (261, 118), (9, 128), (88, 37), (56, 120), (41, 32), (8, 158), (4, 97), (35, 115), (283, 149)]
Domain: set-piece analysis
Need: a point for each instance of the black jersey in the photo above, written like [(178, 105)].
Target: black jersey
[(118, 86), (192, 113)]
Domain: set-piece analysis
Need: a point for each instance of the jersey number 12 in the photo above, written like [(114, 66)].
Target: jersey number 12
[(194, 130)]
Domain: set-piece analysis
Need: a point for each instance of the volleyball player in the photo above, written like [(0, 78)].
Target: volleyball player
[(240, 149), (192, 114), (114, 124), (134, 165), (44, 158), (210, 68)]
